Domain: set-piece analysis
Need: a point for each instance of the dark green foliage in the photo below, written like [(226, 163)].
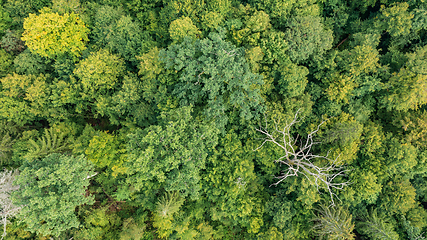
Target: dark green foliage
[(214, 73), (165, 99), (118, 33), (11, 42), (5, 63), (51, 189), (172, 154), (28, 63), (5, 20), (414, 233), (281, 210), (19, 9), (9, 133)]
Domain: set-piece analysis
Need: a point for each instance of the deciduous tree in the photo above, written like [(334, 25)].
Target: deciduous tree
[(50, 190), (50, 34), (170, 155), (214, 74)]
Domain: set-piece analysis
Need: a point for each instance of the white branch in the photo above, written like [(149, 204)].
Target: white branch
[(93, 175), (8, 209), (299, 159)]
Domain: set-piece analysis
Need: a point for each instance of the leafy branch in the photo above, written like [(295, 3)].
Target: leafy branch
[(49, 143)]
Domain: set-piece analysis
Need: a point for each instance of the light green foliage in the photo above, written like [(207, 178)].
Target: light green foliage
[(52, 141), (28, 63), (183, 27), (254, 56), (231, 186), (341, 138), (150, 65), (417, 217), (377, 227), (414, 126), (307, 36), (133, 229), (398, 196), (5, 63), (171, 154), (99, 75), (292, 79), (258, 22), (128, 39), (214, 73), (171, 222), (99, 224), (401, 159), (343, 130), (219, 6), (278, 10), (272, 234), (65, 6), (107, 150), (366, 180), (156, 81), (373, 138), (362, 59), (169, 204), (405, 88), (398, 19), (419, 21), (172, 11), (211, 20), (274, 47), (50, 34), (50, 189), (163, 98), (127, 105), (5, 20), (82, 142), (24, 98), (334, 222), (247, 25), (353, 73)]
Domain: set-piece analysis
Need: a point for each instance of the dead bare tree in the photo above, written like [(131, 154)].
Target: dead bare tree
[(8, 209), (299, 158)]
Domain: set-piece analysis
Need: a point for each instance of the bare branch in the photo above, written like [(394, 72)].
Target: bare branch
[(8, 209), (90, 176), (299, 159)]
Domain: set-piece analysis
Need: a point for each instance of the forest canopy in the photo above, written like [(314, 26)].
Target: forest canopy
[(213, 119)]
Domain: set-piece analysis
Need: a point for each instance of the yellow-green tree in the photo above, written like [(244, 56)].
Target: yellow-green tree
[(181, 28), (50, 34)]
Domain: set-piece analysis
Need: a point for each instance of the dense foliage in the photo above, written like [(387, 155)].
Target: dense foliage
[(219, 119)]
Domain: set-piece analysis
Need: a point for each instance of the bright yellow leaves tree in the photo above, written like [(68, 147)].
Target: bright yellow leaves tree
[(50, 34)]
